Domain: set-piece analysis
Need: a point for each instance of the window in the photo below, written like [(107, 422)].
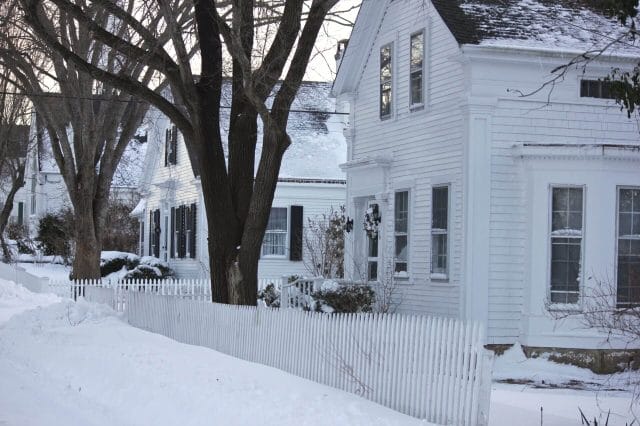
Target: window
[(596, 89), (171, 146), (34, 180), (141, 248), (372, 246), (566, 243), (401, 233), (628, 256), (439, 232), (275, 237), (385, 80), (20, 213), (183, 231), (416, 69)]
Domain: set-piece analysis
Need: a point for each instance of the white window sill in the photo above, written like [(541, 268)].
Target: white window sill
[(439, 277), (273, 256), (564, 307), (416, 107)]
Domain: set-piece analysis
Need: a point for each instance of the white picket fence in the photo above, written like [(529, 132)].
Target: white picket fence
[(431, 368), (114, 292)]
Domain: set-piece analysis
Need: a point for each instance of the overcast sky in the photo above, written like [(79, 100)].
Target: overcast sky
[(323, 65)]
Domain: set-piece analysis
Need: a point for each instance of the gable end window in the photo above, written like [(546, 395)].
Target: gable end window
[(171, 146), (566, 243), (416, 72), (401, 234), (596, 89), (385, 80), (628, 255)]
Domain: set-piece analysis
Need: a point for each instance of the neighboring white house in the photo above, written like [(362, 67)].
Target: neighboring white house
[(493, 206), (173, 222), (45, 191)]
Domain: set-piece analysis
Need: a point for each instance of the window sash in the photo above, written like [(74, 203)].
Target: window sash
[(416, 67), (386, 76), (628, 248), (565, 242), (401, 233), (440, 230), (274, 242)]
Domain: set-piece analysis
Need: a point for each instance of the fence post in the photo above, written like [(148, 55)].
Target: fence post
[(485, 387)]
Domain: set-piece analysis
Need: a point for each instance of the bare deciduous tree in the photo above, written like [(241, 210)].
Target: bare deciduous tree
[(89, 122), (237, 199), (14, 144)]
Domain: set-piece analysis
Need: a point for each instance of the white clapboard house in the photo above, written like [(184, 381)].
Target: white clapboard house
[(173, 224), (44, 190), (491, 205)]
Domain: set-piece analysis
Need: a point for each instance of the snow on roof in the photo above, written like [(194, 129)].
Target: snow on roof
[(131, 166), (139, 208), (318, 144), (569, 25)]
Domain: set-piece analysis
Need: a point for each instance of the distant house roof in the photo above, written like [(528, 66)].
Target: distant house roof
[(318, 144), (569, 25)]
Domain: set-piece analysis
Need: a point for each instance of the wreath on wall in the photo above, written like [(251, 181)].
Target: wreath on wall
[(372, 221)]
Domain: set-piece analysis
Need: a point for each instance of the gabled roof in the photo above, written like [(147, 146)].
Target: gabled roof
[(566, 25), (558, 25), (318, 144)]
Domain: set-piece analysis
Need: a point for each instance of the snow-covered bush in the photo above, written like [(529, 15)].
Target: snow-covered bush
[(270, 295), (131, 266), (19, 234), (345, 299), (114, 261), (151, 268), (56, 234)]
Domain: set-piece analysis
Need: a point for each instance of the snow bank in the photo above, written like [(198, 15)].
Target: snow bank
[(15, 299), (79, 364)]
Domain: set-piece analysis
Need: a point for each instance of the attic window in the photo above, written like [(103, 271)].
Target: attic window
[(596, 89), (385, 81)]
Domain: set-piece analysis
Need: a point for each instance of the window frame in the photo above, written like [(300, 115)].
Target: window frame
[(441, 276), (286, 236), (417, 105), (550, 236), (388, 115), (369, 259), (627, 305), (601, 84), (397, 234)]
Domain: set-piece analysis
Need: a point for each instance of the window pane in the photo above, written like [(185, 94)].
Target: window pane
[(372, 271), (565, 269), (372, 247), (401, 247), (416, 88), (439, 253), (417, 50), (440, 200), (385, 80), (401, 211), (567, 209), (274, 243), (628, 268), (277, 219)]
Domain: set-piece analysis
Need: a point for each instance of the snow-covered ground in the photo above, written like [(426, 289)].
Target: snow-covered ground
[(54, 271), (68, 363)]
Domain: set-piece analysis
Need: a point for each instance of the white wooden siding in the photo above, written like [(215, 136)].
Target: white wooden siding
[(568, 120), (426, 146)]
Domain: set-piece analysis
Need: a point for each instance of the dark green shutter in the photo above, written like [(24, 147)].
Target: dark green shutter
[(167, 148), (172, 237), (194, 220), (150, 252), (295, 238)]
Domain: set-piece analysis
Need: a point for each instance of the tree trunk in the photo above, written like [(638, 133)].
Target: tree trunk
[(86, 262), (17, 182)]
